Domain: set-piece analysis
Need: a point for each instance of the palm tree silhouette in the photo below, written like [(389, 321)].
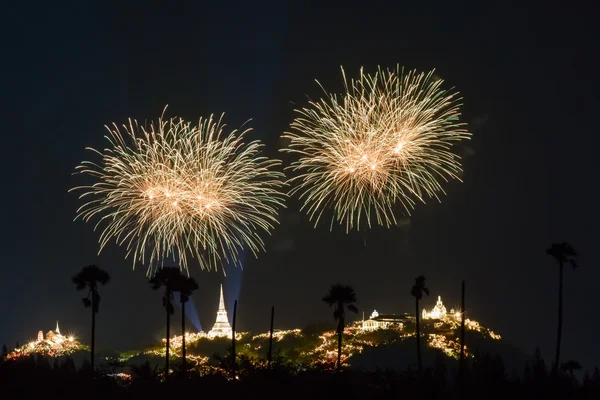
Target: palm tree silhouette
[(563, 253), (571, 366), (167, 277), (89, 277), (342, 298), (417, 291), (185, 286)]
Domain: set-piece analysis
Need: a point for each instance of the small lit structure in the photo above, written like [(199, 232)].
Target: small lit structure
[(54, 336), (437, 312), (383, 321), (221, 326), (52, 344)]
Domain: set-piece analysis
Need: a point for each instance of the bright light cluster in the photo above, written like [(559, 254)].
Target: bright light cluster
[(356, 338), (279, 334), (494, 335), (54, 345), (177, 190), (176, 342), (387, 140), (450, 347), (452, 320)]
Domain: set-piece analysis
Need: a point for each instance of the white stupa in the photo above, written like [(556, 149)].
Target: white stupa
[(221, 326)]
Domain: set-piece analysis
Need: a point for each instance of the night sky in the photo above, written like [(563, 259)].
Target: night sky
[(526, 73)]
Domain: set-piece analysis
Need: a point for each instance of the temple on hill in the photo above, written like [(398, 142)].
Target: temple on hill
[(221, 326), (384, 321), (52, 336), (437, 312)]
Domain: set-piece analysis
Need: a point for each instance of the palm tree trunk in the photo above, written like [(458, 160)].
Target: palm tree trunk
[(560, 301), (167, 306), (340, 333), (462, 331), (183, 360), (93, 346), (270, 355), (418, 335), (233, 339)]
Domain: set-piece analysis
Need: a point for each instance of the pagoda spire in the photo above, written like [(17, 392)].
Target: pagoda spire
[(222, 300), (221, 326), (57, 330)]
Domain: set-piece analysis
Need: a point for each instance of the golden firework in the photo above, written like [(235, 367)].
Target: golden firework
[(179, 190), (387, 140)]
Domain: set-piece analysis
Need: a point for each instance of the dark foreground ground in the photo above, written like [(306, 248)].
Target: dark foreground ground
[(32, 378)]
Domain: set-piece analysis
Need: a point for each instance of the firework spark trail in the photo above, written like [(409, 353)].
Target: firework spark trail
[(387, 140), (185, 190)]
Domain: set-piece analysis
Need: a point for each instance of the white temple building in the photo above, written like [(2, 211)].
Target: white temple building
[(221, 326), (384, 321), (437, 312), (51, 336)]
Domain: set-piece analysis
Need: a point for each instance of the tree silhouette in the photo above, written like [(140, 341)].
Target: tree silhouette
[(417, 291), (144, 373), (570, 366), (342, 298), (89, 277), (167, 277), (563, 253), (270, 353), (186, 285)]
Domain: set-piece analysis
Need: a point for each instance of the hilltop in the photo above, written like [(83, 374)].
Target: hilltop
[(381, 342)]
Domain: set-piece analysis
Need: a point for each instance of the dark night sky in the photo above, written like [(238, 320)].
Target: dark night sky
[(526, 73)]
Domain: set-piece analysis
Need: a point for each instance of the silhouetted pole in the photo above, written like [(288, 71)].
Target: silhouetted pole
[(418, 337), (167, 306), (461, 366), (93, 344), (560, 316), (271, 335), (233, 339), (183, 360)]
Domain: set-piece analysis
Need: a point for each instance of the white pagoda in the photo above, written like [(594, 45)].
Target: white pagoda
[(221, 326)]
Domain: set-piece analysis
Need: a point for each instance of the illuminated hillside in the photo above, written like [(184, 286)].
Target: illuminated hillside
[(53, 344), (318, 347)]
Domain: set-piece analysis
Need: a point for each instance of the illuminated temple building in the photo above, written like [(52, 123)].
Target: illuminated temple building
[(384, 321), (221, 326), (52, 344), (52, 336), (437, 312)]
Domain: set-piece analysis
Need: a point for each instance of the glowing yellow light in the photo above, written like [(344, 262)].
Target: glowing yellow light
[(71, 338), (457, 315), (402, 121), (176, 159)]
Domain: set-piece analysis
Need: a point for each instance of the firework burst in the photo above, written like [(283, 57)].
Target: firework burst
[(181, 190), (386, 141)]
